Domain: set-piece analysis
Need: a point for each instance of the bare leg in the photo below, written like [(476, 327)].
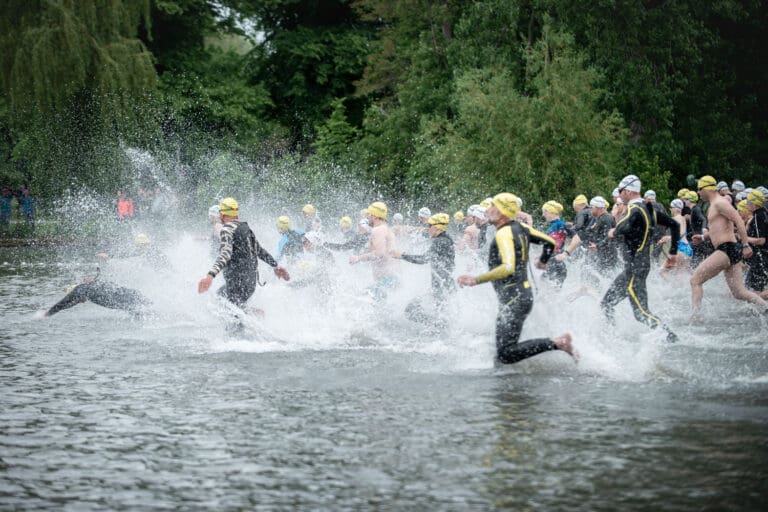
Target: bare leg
[(734, 277), (707, 269)]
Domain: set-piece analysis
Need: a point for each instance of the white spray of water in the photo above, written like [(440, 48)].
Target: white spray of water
[(306, 319)]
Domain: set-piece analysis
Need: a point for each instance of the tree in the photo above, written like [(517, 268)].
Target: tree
[(551, 143), (76, 78)]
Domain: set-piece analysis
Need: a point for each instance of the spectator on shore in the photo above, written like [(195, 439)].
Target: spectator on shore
[(5, 207), (27, 207), (124, 206)]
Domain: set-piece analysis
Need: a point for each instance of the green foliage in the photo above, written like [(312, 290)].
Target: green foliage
[(54, 52), (443, 99), (683, 75), (551, 143), (312, 53), (649, 171), (335, 135), (213, 95), (75, 78)]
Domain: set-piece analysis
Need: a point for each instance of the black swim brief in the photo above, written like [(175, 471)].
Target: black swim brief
[(732, 249)]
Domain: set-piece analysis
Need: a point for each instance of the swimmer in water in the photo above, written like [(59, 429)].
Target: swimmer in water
[(238, 258), (724, 222), (507, 263)]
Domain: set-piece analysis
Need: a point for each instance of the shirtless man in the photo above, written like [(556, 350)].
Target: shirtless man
[(469, 240), (386, 269), (722, 219)]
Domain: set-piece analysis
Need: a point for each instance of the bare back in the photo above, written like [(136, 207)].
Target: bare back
[(681, 222), (381, 243), (470, 238)]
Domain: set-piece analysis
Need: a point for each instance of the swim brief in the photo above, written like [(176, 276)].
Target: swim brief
[(732, 249)]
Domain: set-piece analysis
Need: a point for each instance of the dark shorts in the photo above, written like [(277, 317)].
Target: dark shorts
[(732, 249)]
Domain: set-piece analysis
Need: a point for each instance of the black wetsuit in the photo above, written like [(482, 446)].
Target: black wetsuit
[(482, 235), (658, 232), (637, 227), (700, 249), (757, 275), (102, 293), (238, 258), (581, 224), (507, 261), (442, 259), (604, 257), (294, 245), (356, 242)]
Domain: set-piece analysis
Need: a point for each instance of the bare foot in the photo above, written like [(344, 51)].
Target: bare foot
[(564, 342)]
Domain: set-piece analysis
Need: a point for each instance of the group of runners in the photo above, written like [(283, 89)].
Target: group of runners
[(709, 231)]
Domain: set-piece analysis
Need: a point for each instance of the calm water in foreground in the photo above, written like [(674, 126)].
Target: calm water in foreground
[(327, 409)]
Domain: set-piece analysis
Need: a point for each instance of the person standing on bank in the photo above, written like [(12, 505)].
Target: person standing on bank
[(507, 263), (239, 255)]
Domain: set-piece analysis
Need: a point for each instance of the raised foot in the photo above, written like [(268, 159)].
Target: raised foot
[(564, 342)]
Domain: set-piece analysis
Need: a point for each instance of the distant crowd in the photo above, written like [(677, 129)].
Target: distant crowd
[(24, 202)]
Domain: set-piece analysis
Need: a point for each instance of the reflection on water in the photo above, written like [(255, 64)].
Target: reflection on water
[(324, 405)]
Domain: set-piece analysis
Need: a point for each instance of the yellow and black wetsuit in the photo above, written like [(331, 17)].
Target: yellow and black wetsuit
[(507, 261), (636, 228)]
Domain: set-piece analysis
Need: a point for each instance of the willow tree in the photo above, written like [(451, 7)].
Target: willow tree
[(76, 79)]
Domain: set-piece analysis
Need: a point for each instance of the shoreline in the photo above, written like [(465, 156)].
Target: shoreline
[(40, 241)]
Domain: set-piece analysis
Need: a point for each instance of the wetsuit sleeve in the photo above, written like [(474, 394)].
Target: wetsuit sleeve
[(548, 243), (761, 228), (352, 243), (264, 255), (418, 259), (506, 245), (674, 229), (225, 249), (698, 221)]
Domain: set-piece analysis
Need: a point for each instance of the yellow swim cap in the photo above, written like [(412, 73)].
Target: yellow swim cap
[(507, 204), (682, 193), (345, 222), (308, 208), (692, 196), (378, 209), (458, 216), (756, 197), (440, 221), (580, 199), (742, 206), (707, 182), (283, 222), (141, 239), (229, 207), (486, 203), (551, 207)]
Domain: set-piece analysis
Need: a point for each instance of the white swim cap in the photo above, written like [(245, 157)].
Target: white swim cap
[(598, 202), (213, 211), (425, 213), (398, 217), (631, 183)]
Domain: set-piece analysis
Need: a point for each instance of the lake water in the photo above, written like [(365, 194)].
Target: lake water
[(328, 403)]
